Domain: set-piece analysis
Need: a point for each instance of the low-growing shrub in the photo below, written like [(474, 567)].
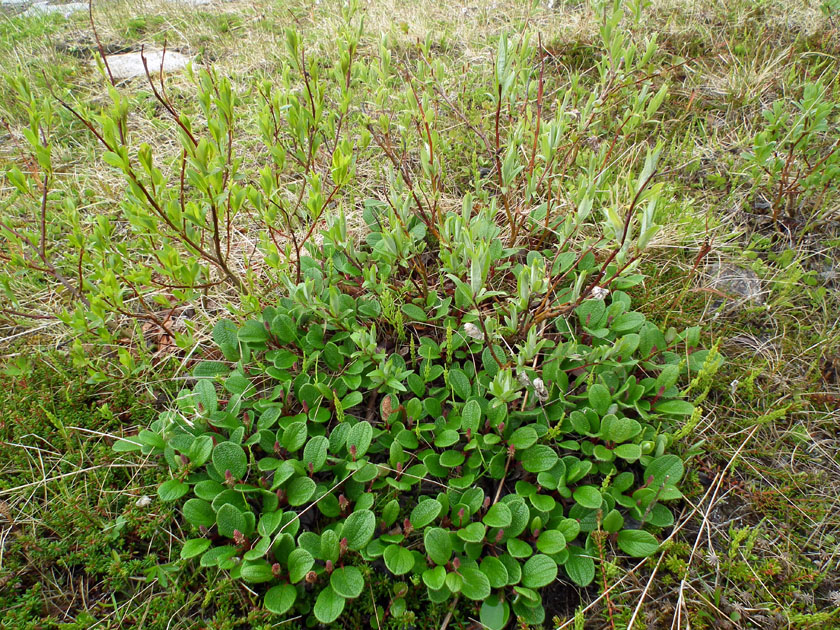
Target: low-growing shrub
[(329, 438)]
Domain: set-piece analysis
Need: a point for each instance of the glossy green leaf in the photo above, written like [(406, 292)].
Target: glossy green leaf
[(279, 599), (399, 560), (425, 512), (637, 543), (328, 606), (358, 529), (230, 456), (300, 561), (438, 544), (172, 490), (475, 584), (539, 571), (347, 582), (194, 547)]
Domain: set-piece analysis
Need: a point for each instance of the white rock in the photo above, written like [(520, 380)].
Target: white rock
[(143, 501), (44, 8), (129, 65)]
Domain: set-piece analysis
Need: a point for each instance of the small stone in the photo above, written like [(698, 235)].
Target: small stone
[(44, 8), (599, 293), (472, 331), (130, 65), (143, 501), (735, 283)]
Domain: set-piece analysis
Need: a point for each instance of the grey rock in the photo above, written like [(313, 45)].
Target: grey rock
[(45, 8), (739, 286), (130, 65)]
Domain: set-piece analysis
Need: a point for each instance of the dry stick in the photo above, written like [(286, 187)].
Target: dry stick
[(449, 614), (705, 522), (99, 44)]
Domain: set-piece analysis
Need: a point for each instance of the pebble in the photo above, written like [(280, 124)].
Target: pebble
[(45, 8), (130, 65)]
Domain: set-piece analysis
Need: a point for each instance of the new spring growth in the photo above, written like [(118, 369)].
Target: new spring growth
[(339, 410), (448, 343), (229, 481)]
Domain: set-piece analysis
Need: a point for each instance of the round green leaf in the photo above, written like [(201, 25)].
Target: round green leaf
[(425, 512), (495, 613), (438, 545), (347, 582), (519, 548), (328, 606), (398, 559), (315, 453), (613, 521), (495, 571), (665, 469), (539, 571), (194, 547), (675, 408), (628, 452), (460, 383), (294, 436), (551, 541), (579, 567), (470, 415), (358, 529), (256, 572), (475, 586), (523, 437), (474, 532), (172, 490), (300, 561), (230, 456), (300, 490), (588, 496), (434, 578), (447, 437), (452, 458), (539, 458), (359, 438), (637, 543), (280, 599), (498, 516), (199, 512), (599, 398), (228, 519)]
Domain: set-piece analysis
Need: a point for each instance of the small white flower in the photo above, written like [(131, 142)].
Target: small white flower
[(540, 390), (143, 501), (599, 293), (733, 387), (472, 331)]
